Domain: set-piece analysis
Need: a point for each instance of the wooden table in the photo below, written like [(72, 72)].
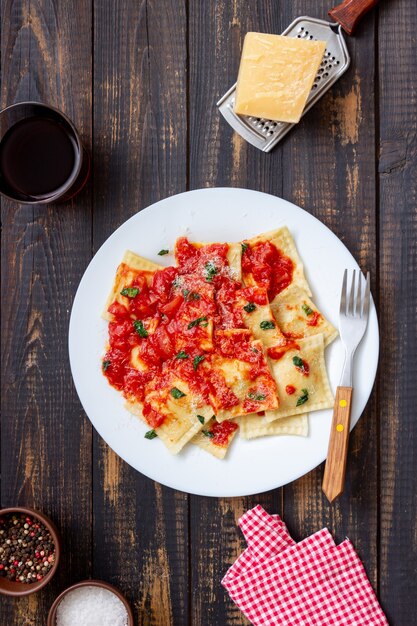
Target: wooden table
[(140, 79)]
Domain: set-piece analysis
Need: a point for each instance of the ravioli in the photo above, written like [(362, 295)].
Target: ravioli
[(298, 317), (226, 340), (253, 426), (271, 261), (216, 438), (301, 377)]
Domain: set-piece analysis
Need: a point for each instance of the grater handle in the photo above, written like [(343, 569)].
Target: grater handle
[(350, 12)]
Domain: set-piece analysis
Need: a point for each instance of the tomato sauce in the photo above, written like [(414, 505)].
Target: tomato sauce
[(269, 267), (222, 432), (314, 319), (290, 390), (277, 352)]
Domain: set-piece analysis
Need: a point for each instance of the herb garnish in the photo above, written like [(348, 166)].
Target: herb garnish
[(299, 363), (151, 434), (200, 321), (190, 295), (211, 271), (201, 419), (249, 307), (307, 310), (302, 399), (130, 292), (245, 246), (197, 360), (252, 395), (266, 324), (208, 433), (162, 252), (140, 329), (176, 393), (105, 365), (182, 355)]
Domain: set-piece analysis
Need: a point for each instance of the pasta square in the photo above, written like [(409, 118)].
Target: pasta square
[(271, 260), (301, 377), (253, 426), (216, 438), (298, 316), (130, 269)]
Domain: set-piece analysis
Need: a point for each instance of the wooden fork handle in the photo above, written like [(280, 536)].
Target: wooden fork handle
[(335, 470), (350, 12)]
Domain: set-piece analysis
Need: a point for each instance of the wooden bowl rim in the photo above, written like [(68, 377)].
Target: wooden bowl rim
[(89, 583), (28, 588)]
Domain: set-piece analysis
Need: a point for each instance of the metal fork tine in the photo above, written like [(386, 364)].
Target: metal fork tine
[(367, 297), (343, 295), (352, 295), (358, 306)]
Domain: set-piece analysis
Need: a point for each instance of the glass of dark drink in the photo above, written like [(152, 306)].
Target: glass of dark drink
[(42, 159)]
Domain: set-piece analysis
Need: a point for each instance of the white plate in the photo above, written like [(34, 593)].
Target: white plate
[(222, 214)]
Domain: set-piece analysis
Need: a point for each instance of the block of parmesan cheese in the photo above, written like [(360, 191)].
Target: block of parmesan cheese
[(276, 75)]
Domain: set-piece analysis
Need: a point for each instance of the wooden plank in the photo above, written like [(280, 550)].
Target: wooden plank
[(140, 131), (331, 173), (219, 157), (46, 440), (397, 307)]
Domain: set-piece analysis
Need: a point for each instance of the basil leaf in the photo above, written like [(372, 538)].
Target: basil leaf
[(245, 246), (162, 252), (256, 396), (105, 365), (211, 271), (151, 434), (249, 307), (140, 329), (307, 309), (197, 360), (176, 393), (298, 362), (207, 433), (182, 355), (302, 399), (198, 322), (201, 419), (190, 295), (130, 292), (266, 324)]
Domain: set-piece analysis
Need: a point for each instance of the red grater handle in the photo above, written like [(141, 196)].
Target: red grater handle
[(350, 12)]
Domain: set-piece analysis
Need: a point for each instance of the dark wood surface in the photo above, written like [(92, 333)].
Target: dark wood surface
[(140, 79)]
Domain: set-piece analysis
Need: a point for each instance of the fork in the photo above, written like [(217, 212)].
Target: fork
[(353, 319)]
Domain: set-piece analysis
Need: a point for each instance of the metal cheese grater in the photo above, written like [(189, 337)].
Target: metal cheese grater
[(265, 134)]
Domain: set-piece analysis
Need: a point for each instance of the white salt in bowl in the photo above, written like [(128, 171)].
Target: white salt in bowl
[(52, 617)]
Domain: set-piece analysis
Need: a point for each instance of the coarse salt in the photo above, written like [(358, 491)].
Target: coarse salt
[(91, 606)]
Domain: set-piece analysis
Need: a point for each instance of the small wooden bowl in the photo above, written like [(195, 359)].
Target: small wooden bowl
[(12, 588), (89, 583)]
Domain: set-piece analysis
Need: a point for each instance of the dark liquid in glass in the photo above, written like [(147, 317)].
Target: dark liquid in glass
[(38, 155)]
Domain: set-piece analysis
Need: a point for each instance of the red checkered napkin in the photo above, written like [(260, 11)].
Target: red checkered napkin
[(276, 581)]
